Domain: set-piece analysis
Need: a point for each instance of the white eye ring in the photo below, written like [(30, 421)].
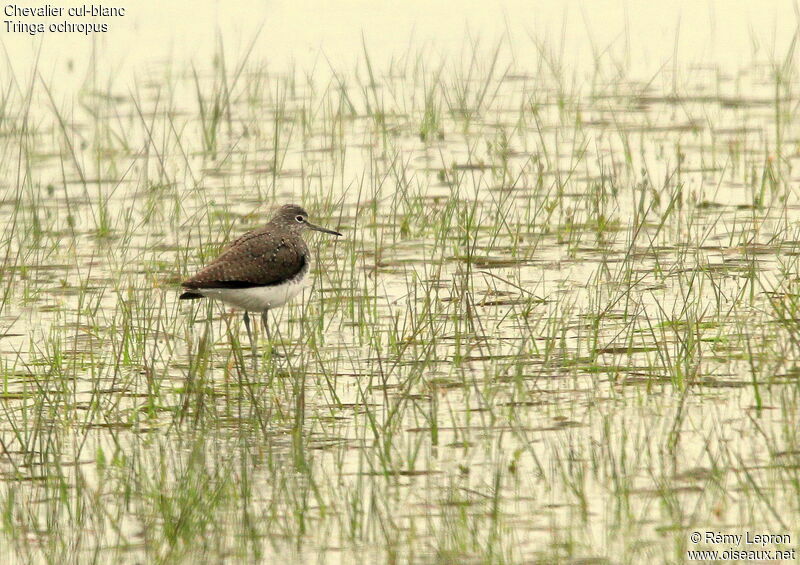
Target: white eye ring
[(300, 219)]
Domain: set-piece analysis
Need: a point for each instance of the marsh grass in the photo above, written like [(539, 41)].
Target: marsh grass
[(561, 325)]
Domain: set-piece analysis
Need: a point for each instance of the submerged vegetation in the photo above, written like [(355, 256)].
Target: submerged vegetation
[(562, 326)]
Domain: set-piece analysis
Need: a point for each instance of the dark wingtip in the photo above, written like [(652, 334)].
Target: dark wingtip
[(190, 296)]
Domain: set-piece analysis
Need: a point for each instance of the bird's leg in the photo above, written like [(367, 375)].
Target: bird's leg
[(252, 341), (265, 321)]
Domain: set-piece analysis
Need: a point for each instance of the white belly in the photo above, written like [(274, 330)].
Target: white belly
[(257, 298)]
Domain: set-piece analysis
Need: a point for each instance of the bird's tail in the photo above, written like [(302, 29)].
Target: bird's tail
[(189, 295)]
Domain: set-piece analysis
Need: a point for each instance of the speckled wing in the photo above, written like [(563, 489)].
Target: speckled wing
[(258, 258)]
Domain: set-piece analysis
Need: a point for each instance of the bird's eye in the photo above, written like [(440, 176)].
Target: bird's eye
[(300, 219)]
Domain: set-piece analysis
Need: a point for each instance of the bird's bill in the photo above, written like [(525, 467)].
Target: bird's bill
[(323, 230)]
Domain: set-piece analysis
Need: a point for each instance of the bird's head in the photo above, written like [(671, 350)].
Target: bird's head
[(295, 218)]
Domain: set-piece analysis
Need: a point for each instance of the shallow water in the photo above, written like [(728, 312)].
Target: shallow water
[(560, 326)]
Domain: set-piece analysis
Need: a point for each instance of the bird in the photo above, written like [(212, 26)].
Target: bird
[(261, 270)]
